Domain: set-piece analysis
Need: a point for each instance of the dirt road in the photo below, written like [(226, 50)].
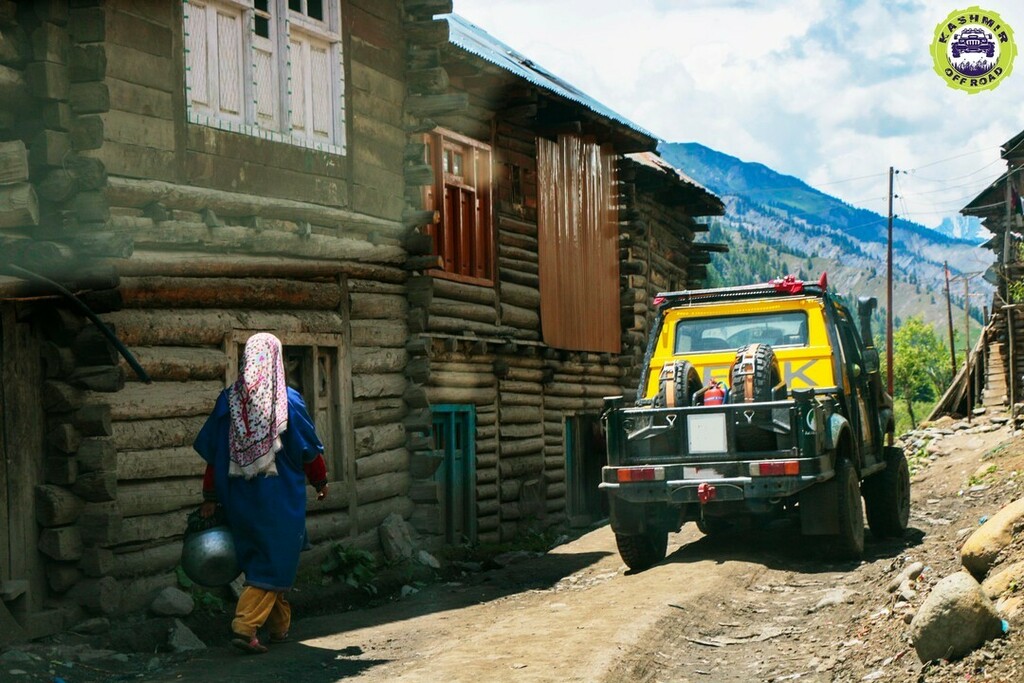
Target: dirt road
[(756, 607), (759, 606)]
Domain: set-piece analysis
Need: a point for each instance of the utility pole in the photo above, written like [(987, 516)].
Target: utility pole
[(888, 298), (949, 320), (967, 342)]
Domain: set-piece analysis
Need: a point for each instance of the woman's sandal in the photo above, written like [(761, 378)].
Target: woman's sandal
[(251, 645), (281, 638)]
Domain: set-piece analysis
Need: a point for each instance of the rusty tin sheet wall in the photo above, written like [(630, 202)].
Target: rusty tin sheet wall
[(578, 245)]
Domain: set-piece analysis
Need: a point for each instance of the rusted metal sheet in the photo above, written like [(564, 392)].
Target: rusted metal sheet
[(578, 245)]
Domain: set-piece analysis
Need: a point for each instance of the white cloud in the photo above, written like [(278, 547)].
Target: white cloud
[(820, 89)]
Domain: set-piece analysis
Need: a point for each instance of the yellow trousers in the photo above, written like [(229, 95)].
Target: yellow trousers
[(257, 607)]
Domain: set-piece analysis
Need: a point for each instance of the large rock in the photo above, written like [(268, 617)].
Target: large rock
[(172, 602), (954, 619), (1004, 581), (396, 538), (983, 546), (181, 639)]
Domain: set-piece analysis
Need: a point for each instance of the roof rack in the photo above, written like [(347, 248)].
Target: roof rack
[(781, 287)]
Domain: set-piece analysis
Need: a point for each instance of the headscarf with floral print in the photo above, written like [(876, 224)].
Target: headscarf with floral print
[(258, 401)]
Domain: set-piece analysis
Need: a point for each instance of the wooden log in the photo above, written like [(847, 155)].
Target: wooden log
[(420, 290), (47, 80), (513, 448), (153, 497), (86, 134), (463, 292), (527, 466), (58, 361), (373, 306), (443, 378), (426, 9), (520, 431), (92, 420), (395, 460), (518, 277), (509, 398), (519, 414), (146, 561), (382, 487), (13, 162), (368, 412), (92, 348), (159, 463), (160, 400), (96, 487), (433, 105), (509, 490), (178, 363), (64, 438), (174, 292), (13, 92), (379, 360), (467, 395), (377, 438), (87, 63), (49, 148), (520, 295), (166, 433), (60, 469), (197, 327), (101, 378), (149, 528), (56, 506), (89, 98), (517, 226), (96, 562), (419, 421), (376, 386), (101, 524), (519, 317), (61, 543), (139, 193), (96, 455), (19, 206), (370, 515), (328, 526), (61, 576), (462, 326)]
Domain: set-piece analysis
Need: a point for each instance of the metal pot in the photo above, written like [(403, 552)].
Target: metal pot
[(208, 557)]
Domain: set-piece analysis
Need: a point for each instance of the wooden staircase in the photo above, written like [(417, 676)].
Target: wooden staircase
[(995, 394)]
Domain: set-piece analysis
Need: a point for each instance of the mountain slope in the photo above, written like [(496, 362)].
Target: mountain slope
[(777, 224)]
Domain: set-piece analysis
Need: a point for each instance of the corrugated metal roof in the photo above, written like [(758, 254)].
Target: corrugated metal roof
[(473, 39)]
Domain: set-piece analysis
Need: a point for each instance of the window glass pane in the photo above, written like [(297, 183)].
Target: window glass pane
[(446, 161), (731, 332), (457, 165), (295, 5), (315, 9), (262, 27)]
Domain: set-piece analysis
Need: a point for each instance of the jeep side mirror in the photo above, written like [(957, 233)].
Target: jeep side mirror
[(865, 306)]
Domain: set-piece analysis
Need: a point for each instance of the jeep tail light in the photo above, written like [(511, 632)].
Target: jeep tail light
[(775, 468), (627, 474)]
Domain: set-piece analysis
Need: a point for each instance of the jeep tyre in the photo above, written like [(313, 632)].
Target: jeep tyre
[(887, 497), (848, 544), (683, 383), (754, 386), (644, 550)]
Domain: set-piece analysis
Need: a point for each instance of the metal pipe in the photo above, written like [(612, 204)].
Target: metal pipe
[(888, 299), (85, 310)]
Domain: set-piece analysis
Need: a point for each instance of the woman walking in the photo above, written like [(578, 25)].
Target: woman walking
[(261, 447)]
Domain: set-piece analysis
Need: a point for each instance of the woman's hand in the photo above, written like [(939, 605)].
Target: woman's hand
[(207, 509), (322, 493)]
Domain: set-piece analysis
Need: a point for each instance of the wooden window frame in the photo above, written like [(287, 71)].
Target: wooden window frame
[(286, 26), (471, 259), (340, 460)]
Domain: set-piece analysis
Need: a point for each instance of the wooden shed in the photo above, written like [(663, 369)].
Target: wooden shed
[(552, 223)]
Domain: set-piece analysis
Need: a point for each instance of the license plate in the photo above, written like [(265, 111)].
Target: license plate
[(705, 433)]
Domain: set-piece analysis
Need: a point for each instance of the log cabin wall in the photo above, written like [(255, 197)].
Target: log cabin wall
[(196, 236)]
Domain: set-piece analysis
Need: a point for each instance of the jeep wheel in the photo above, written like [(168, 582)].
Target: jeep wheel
[(849, 542), (677, 390), (752, 378), (887, 497), (715, 526), (642, 551)]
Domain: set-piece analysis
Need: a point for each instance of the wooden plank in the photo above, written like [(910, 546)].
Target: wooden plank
[(174, 292), (137, 129), (377, 84), (146, 434), (197, 327), (178, 363), (135, 161), (157, 463), (19, 206), (153, 497), (138, 99), (378, 386), (145, 528), (13, 162), (228, 174), (138, 33), (136, 66), (378, 359), (209, 140), (159, 400), (379, 333)]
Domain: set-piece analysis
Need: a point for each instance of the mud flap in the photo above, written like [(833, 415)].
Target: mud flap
[(819, 514)]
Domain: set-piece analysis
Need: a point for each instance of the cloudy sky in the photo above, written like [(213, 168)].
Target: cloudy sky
[(831, 91)]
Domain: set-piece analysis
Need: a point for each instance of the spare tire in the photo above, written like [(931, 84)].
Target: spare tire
[(753, 378), (676, 385)]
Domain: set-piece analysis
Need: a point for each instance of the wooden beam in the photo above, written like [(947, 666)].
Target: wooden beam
[(19, 206)]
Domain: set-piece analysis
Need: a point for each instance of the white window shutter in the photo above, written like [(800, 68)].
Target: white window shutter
[(229, 68), (322, 119), (265, 75), (300, 79), (196, 60)]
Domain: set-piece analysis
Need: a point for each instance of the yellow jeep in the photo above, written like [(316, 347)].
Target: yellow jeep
[(755, 402)]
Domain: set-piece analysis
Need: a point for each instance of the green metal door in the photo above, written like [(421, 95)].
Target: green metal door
[(454, 437)]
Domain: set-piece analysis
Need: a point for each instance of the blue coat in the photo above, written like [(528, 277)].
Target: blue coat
[(267, 515)]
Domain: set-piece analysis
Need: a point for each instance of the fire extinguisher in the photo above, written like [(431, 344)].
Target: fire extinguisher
[(714, 394)]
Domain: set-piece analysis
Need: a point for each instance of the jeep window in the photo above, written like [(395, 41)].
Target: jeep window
[(697, 335)]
